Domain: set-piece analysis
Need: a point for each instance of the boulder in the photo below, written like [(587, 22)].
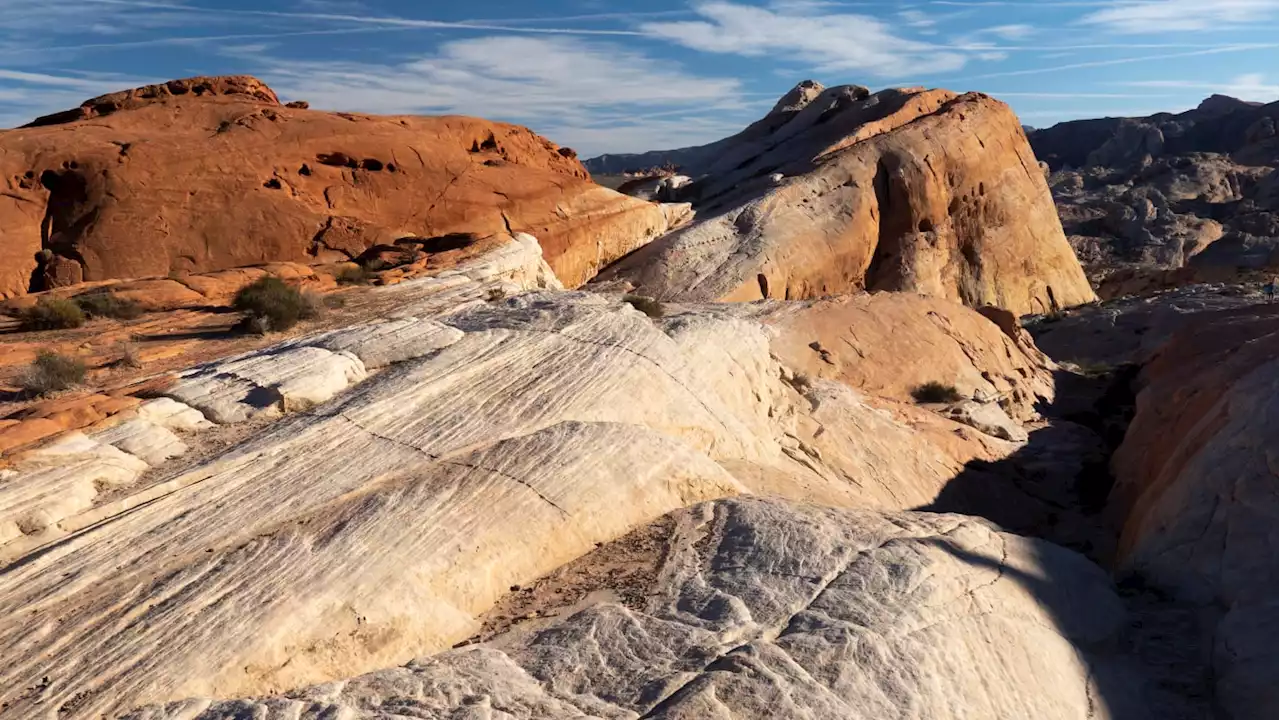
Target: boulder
[(907, 189), (248, 181), (238, 389), (749, 608), (987, 418)]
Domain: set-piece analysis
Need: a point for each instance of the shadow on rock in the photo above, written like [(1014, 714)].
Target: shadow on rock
[(1156, 665)]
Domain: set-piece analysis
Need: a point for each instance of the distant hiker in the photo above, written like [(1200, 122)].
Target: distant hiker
[(1270, 289)]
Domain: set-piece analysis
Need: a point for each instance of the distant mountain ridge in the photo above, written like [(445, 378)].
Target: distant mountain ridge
[(693, 160), (1219, 124), (1151, 201)]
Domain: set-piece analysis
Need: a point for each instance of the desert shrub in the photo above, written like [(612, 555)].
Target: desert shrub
[(128, 356), (313, 306), (270, 305), (801, 382), (1092, 369), (108, 305), (334, 301), (52, 313), (646, 305), (936, 392), (52, 372), (495, 294), (352, 275)]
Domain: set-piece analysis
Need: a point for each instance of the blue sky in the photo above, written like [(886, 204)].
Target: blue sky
[(621, 77)]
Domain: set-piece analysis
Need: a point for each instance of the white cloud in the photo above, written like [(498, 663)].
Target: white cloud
[(1108, 63), (1162, 16), (825, 42), (589, 95), (28, 95), (1251, 86), (916, 18), (1011, 32)]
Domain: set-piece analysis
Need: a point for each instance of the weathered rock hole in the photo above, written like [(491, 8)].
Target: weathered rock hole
[(273, 184), (50, 179), (305, 169), (391, 167), (337, 159), (764, 285), (371, 164), (444, 243), (926, 225)]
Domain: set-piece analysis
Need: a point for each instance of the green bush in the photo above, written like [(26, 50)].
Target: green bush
[(52, 313), (936, 392), (646, 305), (352, 275), (313, 305), (270, 305), (52, 372), (108, 305)]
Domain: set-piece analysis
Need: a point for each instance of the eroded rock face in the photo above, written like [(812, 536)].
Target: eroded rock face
[(912, 190), (1195, 492), (766, 609), (248, 181)]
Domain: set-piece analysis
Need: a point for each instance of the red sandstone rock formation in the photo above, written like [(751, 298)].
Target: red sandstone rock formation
[(207, 174)]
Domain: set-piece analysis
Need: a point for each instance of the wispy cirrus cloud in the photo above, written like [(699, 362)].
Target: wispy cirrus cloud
[(1250, 86), (27, 95), (1162, 16), (826, 41), (576, 91)]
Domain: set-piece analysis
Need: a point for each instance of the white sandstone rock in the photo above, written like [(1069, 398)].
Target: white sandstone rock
[(376, 527), (267, 382), (767, 609), (151, 443), (171, 414)]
